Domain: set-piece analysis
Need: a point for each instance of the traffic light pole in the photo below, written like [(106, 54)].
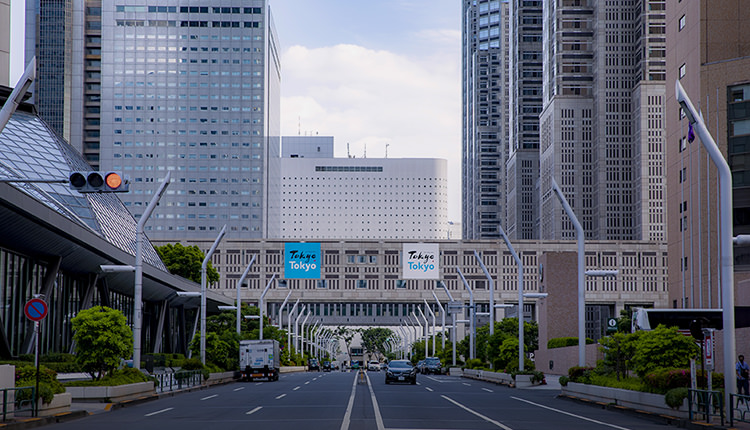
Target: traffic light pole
[(138, 299)]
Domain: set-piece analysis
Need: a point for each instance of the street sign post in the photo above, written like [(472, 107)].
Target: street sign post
[(611, 325), (36, 310)]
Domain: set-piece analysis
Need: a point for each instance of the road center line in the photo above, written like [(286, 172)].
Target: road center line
[(158, 412), (488, 390), (254, 410), (238, 389), (570, 414), (295, 388), (348, 414), (488, 419), (378, 417), (281, 396), (210, 397)]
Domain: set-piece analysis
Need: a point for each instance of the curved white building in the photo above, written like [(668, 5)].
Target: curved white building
[(363, 198)]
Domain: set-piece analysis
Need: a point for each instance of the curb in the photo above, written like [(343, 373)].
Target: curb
[(27, 423)]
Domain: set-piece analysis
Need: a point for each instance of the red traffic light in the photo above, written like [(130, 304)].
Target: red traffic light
[(98, 182)]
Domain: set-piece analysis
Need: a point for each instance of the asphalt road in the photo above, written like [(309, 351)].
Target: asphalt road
[(337, 400)]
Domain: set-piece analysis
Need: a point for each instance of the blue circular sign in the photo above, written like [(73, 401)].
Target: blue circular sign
[(35, 309)]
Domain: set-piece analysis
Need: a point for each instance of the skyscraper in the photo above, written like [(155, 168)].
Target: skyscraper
[(601, 135), (525, 105), (187, 87), (484, 133)]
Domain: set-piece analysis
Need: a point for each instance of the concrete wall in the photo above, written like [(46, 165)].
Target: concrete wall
[(557, 361)]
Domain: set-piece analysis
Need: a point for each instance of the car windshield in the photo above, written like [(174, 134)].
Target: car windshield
[(432, 361), (399, 364)]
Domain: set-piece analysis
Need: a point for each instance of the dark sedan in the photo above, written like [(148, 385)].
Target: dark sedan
[(401, 371)]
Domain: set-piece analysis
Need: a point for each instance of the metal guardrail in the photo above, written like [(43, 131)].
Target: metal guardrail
[(178, 380), (705, 405), (740, 409), (18, 405)]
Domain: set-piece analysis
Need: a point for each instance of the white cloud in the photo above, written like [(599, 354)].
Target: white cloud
[(368, 97)]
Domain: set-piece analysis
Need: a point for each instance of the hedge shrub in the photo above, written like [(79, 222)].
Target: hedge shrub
[(560, 342)]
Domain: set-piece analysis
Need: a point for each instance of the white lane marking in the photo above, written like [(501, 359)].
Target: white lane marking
[(281, 396), (295, 388), (434, 379), (238, 389), (158, 412), (428, 388), (254, 410), (571, 414), (210, 397), (259, 383), (378, 417), (468, 385), (348, 414), (488, 390), (488, 419)]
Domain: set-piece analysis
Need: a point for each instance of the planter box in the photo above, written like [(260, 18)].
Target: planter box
[(455, 371), (59, 404), (220, 378), (649, 402), (523, 381), (111, 394), (290, 369)]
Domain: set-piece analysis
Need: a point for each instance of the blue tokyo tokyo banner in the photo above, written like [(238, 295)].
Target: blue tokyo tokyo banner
[(302, 260)]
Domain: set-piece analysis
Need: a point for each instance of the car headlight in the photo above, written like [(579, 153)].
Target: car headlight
[(389, 373)]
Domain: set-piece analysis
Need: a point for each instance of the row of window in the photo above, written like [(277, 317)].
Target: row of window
[(187, 9), (173, 23)]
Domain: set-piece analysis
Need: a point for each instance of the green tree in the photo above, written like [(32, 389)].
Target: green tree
[(374, 340), (102, 338), (662, 348), (186, 261), (347, 335)]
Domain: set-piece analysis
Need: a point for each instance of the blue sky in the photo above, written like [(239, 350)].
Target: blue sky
[(373, 74)]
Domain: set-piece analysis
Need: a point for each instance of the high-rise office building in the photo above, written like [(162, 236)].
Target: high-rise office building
[(601, 135), (484, 133), (525, 105), (4, 42), (187, 87), (708, 52)]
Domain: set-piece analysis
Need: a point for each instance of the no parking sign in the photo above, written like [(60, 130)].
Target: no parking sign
[(35, 309)]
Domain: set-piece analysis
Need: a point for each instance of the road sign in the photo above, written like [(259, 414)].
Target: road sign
[(611, 325), (35, 309)]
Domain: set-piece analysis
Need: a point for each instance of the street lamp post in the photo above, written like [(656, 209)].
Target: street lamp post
[(289, 327), (262, 305), (471, 306), (453, 320), (581, 268), (434, 332), (302, 333), (492, 287), (426, 333), (204, 269), (138, 294), (239, 284), (727, 253), (442, 315), (519, 263), (296, 326), (281, 308)]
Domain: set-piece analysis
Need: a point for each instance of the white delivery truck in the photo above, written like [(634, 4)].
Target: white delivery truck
[(259, 359)]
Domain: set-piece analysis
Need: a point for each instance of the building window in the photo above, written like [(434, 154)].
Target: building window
[(683, 20), (683, 70)]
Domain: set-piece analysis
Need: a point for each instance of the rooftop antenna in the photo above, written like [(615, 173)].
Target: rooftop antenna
[(365, 150), (348, 155), (386, 149), (299, 126)]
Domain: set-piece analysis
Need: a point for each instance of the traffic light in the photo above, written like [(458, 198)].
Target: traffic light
[(99, 182)]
